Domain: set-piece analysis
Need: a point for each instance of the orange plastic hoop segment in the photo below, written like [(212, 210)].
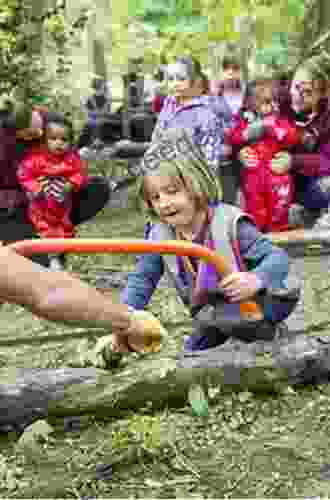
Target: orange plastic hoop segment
[(134, 246)]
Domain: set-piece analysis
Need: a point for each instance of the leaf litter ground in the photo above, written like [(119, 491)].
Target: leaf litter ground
[(249, 446)]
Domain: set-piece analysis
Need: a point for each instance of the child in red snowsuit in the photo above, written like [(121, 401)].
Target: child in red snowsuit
[(48, 174), (267, 192)]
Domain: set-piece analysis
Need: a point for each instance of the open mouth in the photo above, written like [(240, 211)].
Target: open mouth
[(170, 214)]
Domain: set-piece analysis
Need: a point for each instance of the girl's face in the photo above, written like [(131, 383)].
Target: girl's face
[(57, 138), (179, 82), (232, 73), (171, 201), (264, 102)]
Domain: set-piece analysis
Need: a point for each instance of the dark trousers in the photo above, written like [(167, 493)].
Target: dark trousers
[(230, 180), (310, 193), (107, 130), (85, 204)]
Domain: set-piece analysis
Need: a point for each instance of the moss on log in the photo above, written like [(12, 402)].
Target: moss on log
[(156, 382)]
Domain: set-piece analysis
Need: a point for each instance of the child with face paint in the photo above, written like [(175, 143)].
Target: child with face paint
[(182, 197), (48, 175), (231, 87), (188, 107), (267, 188)]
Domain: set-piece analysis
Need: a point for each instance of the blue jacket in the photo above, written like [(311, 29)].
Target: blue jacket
[(271, 264)]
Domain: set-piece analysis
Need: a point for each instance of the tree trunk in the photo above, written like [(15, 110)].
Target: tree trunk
[(158, 382), (302, 355), (93, 55), (324, 8)]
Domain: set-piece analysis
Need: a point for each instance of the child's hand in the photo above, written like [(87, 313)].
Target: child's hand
[(248, 157), (281, 163), (67, 187), (44, 183), (240, 286), (255, 130)]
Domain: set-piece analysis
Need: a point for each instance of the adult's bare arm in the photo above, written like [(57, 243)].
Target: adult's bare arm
[(58, 296)]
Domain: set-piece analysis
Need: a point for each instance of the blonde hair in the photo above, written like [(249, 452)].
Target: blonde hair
[(176, 155), (200, 198)]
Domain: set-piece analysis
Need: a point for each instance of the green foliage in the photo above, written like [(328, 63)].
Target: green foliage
[(296, 8), (23, 29), (188, 26), (170, 16), (198, 401), (276, 54)]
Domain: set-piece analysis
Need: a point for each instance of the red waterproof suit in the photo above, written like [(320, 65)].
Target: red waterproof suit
[(267, 195), (50, 217)]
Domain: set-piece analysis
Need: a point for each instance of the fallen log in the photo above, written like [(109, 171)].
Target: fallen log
[(299, 242), (157, 382)]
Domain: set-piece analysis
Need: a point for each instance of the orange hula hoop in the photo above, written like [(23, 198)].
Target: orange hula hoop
[(134, 246)]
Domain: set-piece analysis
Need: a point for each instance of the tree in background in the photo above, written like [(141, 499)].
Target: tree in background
[(271, 35), (25, 27)]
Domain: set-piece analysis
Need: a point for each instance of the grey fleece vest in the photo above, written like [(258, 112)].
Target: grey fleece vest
[(224, 234)]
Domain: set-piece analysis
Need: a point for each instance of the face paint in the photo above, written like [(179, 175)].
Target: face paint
[(178, 80)]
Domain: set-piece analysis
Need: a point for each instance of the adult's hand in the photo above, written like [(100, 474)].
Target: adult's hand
[(240, 286)]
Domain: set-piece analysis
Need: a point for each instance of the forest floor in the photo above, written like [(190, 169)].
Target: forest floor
[(249, 446)]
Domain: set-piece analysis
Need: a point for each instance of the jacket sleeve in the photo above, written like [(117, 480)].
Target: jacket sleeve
[(28, 173), (143, 281), (313, 164), (158, 130), (209, 134), (307, 164), (270, 263)]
